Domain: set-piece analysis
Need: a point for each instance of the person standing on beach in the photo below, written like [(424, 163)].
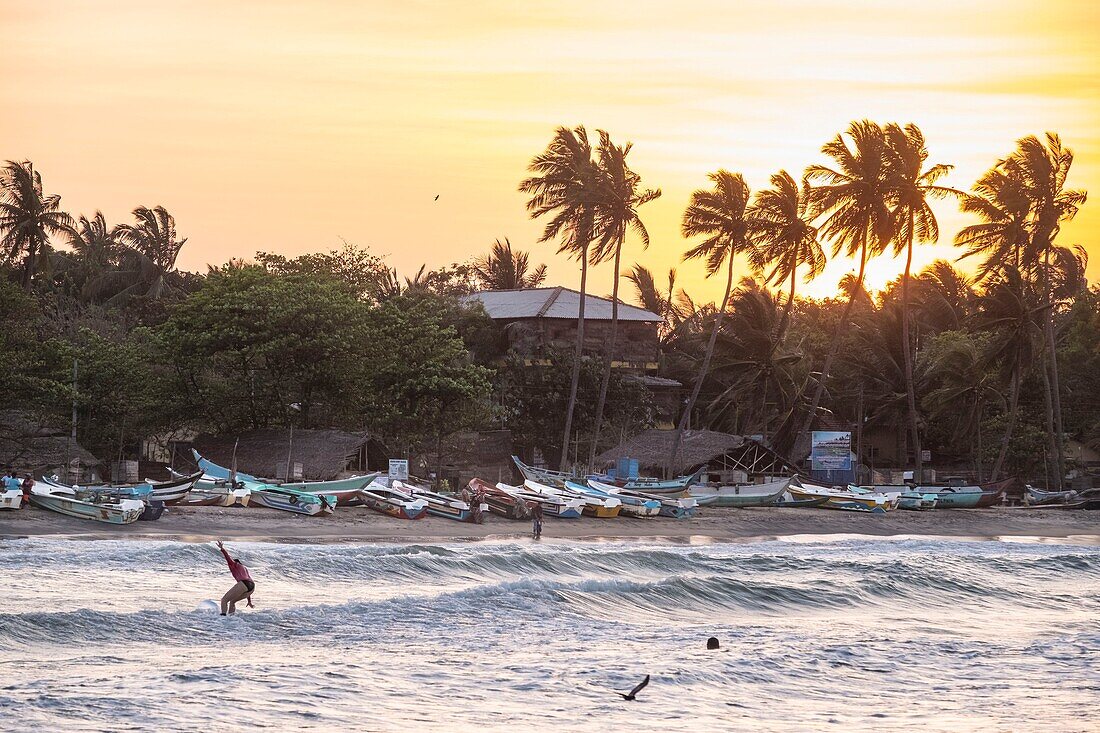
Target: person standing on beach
[(536, 520), (244, 586)]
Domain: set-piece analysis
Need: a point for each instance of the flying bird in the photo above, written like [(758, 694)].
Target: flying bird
[(436, 197), (633, 693)]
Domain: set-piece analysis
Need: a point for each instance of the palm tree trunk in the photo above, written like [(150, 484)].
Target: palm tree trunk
[(608, 356), (786, 322), (686, 414), (1056, 392), (910, 390), (1048, 410), (576, 378), (820, 390), (1013, 405)]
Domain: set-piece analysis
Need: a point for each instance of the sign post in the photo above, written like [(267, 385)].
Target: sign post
[(399, 469), (831, 450)]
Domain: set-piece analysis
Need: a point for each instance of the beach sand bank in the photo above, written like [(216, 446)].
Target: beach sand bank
[(358, 524)]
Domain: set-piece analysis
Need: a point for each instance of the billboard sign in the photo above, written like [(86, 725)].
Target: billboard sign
[(831, 450), (399, 470)]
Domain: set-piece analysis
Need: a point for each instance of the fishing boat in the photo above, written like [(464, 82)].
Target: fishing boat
[(676, 507), (173, 490), (954, 497), (209, 491), (916, 501), (844, 499), (553, 505), (1038, 496), (502, 503), (543, 476), (742, 495), (125, 491), (809, 503), (11, 499), (345, 489), (592, 505), (393, 502), (634, 505), (290, 500), (82, 505), (439, 505)]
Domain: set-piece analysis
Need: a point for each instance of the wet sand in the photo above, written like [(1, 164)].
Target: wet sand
[(358, 524)]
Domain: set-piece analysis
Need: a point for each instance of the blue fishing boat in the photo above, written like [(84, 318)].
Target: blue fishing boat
[(633, 504)]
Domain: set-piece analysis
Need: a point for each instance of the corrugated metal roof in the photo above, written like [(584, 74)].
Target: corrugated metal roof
[(555, 303)]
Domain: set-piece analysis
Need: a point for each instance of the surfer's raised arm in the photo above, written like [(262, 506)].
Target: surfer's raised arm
[(228, 559)]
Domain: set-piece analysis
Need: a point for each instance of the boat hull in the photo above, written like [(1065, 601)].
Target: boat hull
[(125, 511), (844, 501), (393, 507), (291, 501), (743, 495), (11, 499)]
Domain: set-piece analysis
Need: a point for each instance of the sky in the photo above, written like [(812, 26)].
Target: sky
[(290, 126)]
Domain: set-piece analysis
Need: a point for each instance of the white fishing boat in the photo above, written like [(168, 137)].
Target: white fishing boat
[(553, 505), (634, 505), (591, 504), (210, 491), (174, 490), (393, 501), (11, 499), (439, 505), (290, 500), (741, 495), (844, 499), (95, 506)]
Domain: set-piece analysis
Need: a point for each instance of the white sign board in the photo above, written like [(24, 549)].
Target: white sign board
[(399, 469), (831, 450)]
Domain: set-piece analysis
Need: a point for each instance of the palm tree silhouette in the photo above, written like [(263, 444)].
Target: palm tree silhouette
[(28, 218), (786, 239), (95, 250), (617, 213), (147, 265), (567, 188), (855, 196), (721, 215), (914, 221), (507, 269)]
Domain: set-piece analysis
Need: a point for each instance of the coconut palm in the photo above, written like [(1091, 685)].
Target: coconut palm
[(914, 221), (617, 213), (507, 269), (653, 299), (721, 216), (1042, 168), (787, 239), (28, 218), (147, 264), (567, 187), (855, 199), (1002, 237), (95, 250)]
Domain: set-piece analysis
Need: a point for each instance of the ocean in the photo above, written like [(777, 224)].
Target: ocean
[(816, 634)]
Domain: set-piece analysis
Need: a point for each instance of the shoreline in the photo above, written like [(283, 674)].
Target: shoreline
[(712, 525)]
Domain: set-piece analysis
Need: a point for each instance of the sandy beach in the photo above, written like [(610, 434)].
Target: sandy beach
[(357, 524)]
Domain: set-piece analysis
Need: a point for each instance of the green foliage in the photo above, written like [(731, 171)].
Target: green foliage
[(32, 364), (420, 383), (363, 273), (534, 398), (251, 349)]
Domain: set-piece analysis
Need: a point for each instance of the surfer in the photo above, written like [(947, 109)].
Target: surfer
[(244, 586), (536, 520)]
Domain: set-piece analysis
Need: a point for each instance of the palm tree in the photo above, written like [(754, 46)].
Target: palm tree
[(721, 215), (617, 213), (505, 269), (28, 218), (1006, 312), (942, 297), (787, 240), (855, 196), (1002, 237), (1043, 169), (654, 300), (567, 187), (147, 266), (914, 221), (95, 250)]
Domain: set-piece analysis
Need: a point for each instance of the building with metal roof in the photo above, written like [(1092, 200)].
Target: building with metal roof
[(556, 302)]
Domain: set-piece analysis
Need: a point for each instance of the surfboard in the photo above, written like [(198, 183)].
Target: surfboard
[(208, 606)]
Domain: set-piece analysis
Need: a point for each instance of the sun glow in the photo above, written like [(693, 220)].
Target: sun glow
[(284, 126)]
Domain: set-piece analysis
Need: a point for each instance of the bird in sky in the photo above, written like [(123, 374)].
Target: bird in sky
[(437, 197), (638, 688)]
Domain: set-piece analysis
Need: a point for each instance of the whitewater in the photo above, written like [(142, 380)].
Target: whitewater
[(817, 634)]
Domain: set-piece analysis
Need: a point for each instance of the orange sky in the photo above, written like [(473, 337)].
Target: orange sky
[(284, 126)]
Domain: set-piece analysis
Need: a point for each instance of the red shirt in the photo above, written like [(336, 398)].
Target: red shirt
[(236, 567)]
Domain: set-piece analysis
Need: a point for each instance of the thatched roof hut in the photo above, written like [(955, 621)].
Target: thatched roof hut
[(323, 454), (721, 453), (28, 445)]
